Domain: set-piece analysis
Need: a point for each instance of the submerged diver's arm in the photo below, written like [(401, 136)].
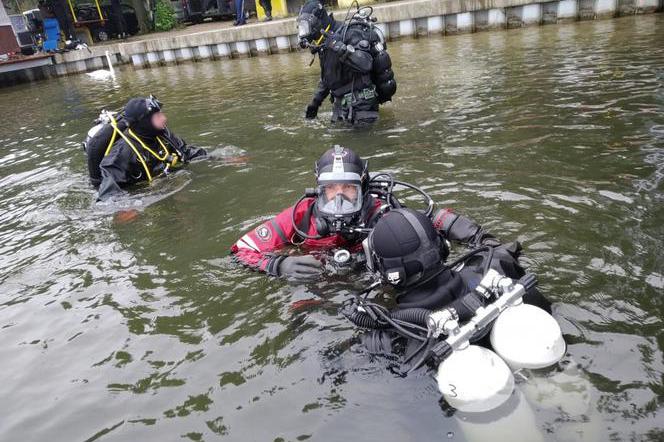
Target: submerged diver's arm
[(187, 151), (258, 249), (320, 95), (459, 228), (115, 172)]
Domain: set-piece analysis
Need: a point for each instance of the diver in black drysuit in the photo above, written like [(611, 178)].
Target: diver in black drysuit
[(356, 70), (160, 150), (408, 251)]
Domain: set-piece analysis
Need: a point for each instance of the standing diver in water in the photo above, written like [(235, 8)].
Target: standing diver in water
[(356, 70), (336, 216), (135, 147)]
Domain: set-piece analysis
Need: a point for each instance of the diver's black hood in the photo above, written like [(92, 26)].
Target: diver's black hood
[(405, 247), (139, 116), (322, 19)]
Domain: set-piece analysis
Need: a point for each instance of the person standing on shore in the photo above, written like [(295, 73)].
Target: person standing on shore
[(267, 7), (118, 19), (239, 13)]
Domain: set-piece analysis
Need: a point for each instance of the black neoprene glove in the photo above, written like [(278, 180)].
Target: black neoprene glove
[(312, 111), (300, 267)]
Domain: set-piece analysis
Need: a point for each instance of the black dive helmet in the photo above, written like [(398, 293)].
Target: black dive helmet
[(341, 193), (404, 247), (342, 180), (310, 21)]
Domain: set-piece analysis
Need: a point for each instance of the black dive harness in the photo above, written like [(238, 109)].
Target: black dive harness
[(169, 159)]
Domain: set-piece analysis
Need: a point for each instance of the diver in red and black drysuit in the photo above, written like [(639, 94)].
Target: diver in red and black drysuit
[(356, 69), (322, 220), (141, 148), (338, 214)]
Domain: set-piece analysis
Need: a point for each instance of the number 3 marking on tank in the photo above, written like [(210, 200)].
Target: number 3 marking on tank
[(453, 392)]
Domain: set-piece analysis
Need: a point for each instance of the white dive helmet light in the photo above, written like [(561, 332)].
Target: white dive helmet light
[(526, 336), (475, 380)]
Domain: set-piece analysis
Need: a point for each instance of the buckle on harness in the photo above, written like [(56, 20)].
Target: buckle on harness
[(171, 162)]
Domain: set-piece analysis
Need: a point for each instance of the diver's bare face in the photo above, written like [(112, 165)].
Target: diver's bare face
[(159, 120)]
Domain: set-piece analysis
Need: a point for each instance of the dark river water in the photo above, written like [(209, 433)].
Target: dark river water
[(142, 328)]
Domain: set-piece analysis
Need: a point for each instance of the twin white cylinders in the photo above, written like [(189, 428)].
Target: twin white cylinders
[(475, 379)]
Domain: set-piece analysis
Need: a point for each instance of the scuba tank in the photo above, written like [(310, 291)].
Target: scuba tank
[(99, 141), (477, 382), (382, 75)]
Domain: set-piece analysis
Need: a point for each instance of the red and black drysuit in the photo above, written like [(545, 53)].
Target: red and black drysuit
[(259, 248)]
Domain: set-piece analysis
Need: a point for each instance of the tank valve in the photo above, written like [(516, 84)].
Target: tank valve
[(437, 322)]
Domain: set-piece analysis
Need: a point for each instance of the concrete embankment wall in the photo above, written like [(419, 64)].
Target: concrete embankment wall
[(396, 19)]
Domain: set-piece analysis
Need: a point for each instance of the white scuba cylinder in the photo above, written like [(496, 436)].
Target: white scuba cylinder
[(91, 133), (480, 386), (474, 379), (513, 421), (525, 336), (478, 382)]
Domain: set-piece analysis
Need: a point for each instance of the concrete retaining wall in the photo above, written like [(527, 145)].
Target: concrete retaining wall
[(396, 19)]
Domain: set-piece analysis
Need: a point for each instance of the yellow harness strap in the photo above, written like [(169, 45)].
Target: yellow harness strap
[(115, 133), (154, 154), (138, 154), (162, 158), (174, 158), (322, 35)]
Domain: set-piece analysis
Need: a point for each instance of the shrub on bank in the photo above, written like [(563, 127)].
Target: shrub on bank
[(164, 16)]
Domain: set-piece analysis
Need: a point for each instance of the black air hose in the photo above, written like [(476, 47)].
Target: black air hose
[(416, 316)]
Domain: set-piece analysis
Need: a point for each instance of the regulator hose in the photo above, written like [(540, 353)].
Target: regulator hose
[(388, 179), (416, 316), (295, 227)]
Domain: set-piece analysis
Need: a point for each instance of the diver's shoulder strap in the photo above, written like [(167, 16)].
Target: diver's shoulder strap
[(133, 147), (112, 141)]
